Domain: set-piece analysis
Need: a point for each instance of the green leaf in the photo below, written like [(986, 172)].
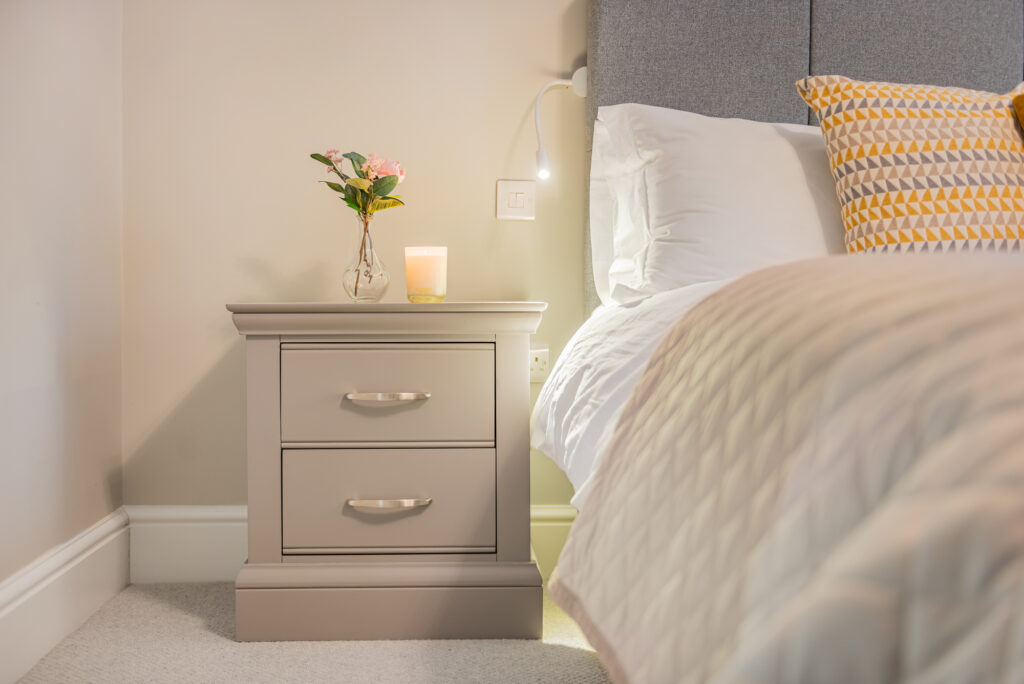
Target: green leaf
[(360, 183), (351, 203), (324, 160), (384, 185), (357, 162), (385, 203), (397, 198), (357, 197), (336, 187)]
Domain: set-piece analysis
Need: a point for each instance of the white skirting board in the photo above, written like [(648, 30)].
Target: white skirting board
[(186, 543), (549, 526), (208, 543), (52, 596)]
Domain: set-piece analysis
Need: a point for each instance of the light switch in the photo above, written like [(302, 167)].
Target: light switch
[(516, 200)]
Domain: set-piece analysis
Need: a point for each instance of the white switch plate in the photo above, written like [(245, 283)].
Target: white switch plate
[(516, 200)]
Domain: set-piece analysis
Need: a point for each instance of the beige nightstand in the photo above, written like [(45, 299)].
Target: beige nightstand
[(388, 472)]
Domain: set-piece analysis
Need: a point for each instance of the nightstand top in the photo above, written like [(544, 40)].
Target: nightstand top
[(403, 319), (385, 308)]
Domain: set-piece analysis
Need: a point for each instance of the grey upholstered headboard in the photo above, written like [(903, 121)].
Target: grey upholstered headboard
[(740, 58)]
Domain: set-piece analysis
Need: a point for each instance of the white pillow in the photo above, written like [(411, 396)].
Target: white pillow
[(678, 198)]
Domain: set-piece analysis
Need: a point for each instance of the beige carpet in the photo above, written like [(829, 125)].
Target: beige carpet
[(185, 633)]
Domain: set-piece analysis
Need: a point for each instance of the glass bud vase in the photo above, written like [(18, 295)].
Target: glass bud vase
[(366, 279)]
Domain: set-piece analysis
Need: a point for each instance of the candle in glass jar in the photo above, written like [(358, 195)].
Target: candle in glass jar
[(426, 273)]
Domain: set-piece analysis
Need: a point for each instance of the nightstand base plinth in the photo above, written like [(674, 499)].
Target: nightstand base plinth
[(357, 601)]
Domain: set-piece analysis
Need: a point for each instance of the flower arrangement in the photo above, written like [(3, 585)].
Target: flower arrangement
[(367, 191)]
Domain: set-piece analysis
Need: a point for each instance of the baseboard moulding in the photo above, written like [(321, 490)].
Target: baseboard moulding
[(48, 599), (208, 543), (549, 527), (186, 543), (51, 597)]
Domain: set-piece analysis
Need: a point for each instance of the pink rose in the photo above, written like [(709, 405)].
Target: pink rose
[(378, 167)]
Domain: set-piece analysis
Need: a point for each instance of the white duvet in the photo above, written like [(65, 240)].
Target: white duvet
[(579, 405), (819, 478)]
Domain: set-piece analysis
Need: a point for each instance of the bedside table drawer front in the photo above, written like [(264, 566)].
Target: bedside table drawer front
[(376, 500), (423, 393)]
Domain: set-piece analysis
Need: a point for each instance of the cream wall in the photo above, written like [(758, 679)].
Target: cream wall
[(60, 271), (223, 102)]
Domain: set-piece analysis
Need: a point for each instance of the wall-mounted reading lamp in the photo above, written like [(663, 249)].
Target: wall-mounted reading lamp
[(579, 86)]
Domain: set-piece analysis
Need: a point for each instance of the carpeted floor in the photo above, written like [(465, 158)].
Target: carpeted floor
[(185, 633)]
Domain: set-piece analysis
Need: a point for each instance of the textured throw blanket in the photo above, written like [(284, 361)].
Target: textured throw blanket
[(820, 478)]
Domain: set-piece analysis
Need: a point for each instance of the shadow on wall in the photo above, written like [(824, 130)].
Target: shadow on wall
[(573, 21), (197, 454), (308, 286)]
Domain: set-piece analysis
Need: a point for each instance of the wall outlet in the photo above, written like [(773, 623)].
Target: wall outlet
[(539, 367), (516, 200)]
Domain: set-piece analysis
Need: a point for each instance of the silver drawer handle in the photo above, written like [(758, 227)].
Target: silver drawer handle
[(387, 397), (389, 503)]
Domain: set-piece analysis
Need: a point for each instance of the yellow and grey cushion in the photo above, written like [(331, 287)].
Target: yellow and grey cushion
[(922, 168)]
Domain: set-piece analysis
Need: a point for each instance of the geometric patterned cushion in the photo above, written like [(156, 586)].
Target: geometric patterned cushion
[(922, 168)]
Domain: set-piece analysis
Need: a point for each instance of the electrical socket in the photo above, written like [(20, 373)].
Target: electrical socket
[(539, 363)]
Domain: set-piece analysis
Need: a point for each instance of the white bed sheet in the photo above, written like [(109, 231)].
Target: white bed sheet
[(579, 405)]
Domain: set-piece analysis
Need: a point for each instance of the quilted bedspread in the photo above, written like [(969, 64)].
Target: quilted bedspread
[(819, 478)]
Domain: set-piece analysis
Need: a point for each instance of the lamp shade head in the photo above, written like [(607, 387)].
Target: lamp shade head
[(579, 81), (543, 169)]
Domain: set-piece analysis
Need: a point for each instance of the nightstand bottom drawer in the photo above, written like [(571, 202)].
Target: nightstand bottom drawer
[(372, 501)]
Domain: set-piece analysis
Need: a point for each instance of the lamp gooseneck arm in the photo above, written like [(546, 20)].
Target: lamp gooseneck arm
[(579, 86), (561, 83)]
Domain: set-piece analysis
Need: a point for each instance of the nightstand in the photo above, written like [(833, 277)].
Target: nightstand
[(388, 472)]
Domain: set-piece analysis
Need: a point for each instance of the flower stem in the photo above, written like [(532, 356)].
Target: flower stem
[(362, 249)]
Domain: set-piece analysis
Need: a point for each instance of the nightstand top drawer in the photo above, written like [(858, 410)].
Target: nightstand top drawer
[(392, 393), (385, 500)]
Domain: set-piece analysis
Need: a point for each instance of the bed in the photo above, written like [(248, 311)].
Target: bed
[(793, 463)]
